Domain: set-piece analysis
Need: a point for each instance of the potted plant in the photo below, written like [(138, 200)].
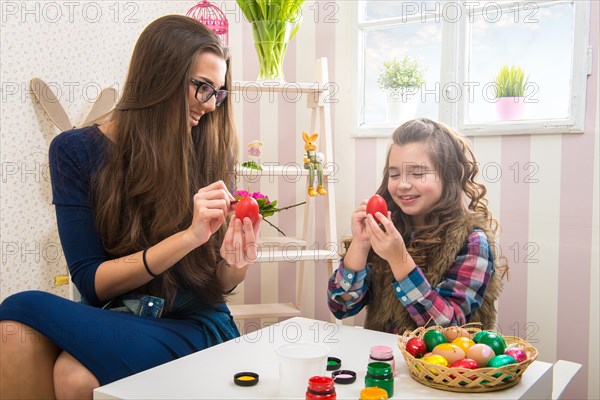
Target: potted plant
[(510, 88), (402, 81)]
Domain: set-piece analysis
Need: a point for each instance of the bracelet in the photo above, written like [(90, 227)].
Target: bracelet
[(146, 263)]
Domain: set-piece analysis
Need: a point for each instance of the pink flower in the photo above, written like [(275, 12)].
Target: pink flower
[(259, 195), (241, 193)]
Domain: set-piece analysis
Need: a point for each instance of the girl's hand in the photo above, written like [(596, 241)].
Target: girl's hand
[(357, 225), (388, 244), (211, 206), (239, 246)]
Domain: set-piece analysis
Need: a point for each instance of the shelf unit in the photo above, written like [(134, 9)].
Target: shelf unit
[(298, 249)]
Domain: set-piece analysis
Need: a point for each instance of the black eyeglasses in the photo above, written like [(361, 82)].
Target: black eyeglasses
[(204, 91)]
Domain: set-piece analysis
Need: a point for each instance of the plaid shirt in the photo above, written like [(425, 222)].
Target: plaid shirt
[(449, 303)]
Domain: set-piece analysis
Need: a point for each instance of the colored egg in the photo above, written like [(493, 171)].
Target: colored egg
[(432, 338), (518, 354), (500, 361), (416, 347), (450, 352), (463, 342), (495, 341), (465, 363), (481, 353), (437, 360), (453, 332), (477, 337)]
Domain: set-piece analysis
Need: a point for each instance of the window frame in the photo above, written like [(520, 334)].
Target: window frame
[(455, 43)]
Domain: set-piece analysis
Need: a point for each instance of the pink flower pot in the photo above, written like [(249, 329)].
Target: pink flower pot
[(510, 108)]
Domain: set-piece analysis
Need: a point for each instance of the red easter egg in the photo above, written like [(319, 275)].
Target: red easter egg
[(377, 204), (466, 363), (416, 347), (247, 207)]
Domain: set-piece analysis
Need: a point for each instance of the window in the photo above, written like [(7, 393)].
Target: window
[(462, 45)]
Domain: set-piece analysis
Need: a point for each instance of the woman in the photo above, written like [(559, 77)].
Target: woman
[(141, 205)]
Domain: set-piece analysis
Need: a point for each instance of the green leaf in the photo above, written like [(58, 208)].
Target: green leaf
[(252, 165)]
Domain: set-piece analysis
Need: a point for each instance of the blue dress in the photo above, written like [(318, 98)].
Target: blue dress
[(112, 345)]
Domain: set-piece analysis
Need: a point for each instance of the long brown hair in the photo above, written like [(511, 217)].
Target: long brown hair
[(462, 197), (144, 191)]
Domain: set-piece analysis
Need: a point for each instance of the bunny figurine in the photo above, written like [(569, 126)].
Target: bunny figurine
[(313, 162)]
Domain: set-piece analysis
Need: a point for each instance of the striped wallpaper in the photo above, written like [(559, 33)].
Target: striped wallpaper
[(543, 189)]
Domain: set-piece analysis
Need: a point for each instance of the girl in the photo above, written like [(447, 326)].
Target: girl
[(141, 204), (432, 260)]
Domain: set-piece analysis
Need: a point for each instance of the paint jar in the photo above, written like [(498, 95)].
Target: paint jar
[(373, 393), (320, 388), (297, 363), (379, 374), (383, 354)]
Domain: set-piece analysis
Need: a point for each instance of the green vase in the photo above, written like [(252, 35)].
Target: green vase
[(271, 40)]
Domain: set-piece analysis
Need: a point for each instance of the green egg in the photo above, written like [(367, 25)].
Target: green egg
[(495, 341), (432, 338), (479, 335), (500, 361)]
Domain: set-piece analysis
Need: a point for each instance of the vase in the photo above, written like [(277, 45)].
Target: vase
[(271, 40), (402, 104), (510, 108)]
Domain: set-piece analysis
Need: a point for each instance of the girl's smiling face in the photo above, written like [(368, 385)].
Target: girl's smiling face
[(413, 181), (207, 68)]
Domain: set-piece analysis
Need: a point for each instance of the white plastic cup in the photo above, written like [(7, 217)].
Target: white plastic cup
[(297, 363)]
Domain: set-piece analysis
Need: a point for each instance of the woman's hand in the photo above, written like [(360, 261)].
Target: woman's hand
[(239, 246), (211, 206)]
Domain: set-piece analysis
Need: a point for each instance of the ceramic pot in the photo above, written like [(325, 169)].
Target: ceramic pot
[(510, 108)]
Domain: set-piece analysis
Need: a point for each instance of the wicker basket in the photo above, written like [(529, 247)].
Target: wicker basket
[(461, 379)]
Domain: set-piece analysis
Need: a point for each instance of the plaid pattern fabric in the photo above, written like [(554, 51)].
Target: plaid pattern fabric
[(449, 303)]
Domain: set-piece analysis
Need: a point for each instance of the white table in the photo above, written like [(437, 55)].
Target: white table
[(208, 374)]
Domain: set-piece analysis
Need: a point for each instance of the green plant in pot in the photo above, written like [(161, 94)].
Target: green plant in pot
[(510, 84), (401, 80), (274, 24)]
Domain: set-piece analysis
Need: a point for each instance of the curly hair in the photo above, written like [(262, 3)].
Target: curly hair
[(462, 197)]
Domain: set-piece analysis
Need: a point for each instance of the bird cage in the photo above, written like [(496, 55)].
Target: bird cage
[(211, 16)]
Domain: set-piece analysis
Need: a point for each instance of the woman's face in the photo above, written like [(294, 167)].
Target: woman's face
[(413, 181), (210, 69)]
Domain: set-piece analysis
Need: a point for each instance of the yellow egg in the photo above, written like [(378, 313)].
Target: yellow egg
[(464, 343), (449, 351), (437, 360)]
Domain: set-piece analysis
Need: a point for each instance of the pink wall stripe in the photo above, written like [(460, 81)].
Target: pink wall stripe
[(514, 223), (576, 212), (324, 47), (248, 132), (286, 194), (364, 184)]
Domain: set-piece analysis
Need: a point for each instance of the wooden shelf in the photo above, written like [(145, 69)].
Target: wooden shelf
[(266, 310), (295, 254), (278, 87), (280, 241), (290, 170), (306, 251)]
